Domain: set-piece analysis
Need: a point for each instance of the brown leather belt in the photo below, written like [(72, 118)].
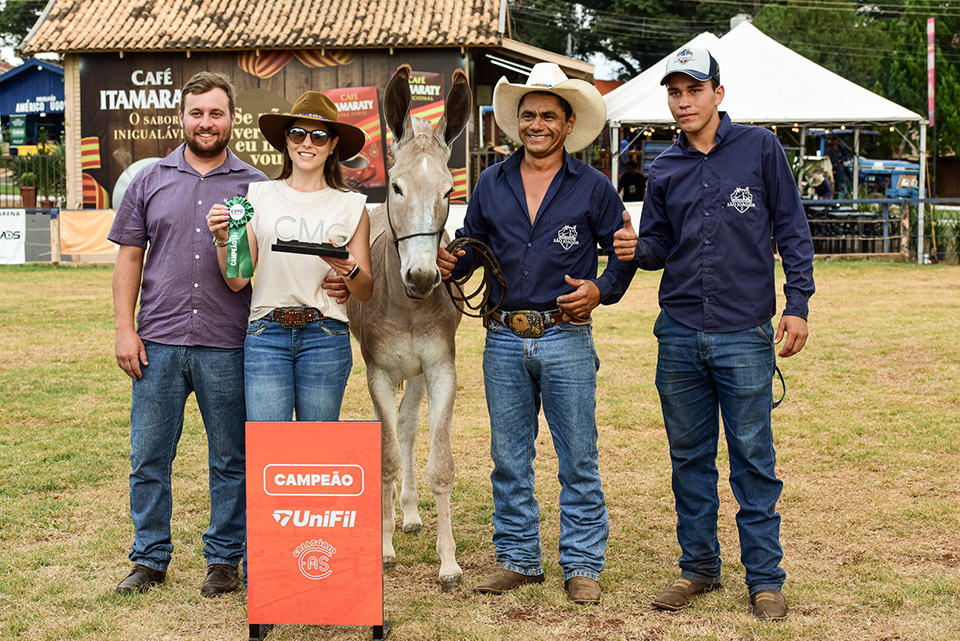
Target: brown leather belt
[(527, 323), (294, 316)]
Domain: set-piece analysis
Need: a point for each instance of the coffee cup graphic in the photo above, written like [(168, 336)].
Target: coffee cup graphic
[(359, 168)]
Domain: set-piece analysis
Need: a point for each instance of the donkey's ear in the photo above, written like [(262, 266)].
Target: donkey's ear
[(456, 111), (396, 101)]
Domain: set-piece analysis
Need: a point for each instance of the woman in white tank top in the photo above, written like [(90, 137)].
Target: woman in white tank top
[(297, 355)]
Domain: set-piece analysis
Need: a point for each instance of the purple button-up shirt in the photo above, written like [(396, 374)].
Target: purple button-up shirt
[(183, 297)]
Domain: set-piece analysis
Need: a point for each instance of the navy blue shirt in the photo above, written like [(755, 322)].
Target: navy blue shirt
[(580, 210), (707, 221)]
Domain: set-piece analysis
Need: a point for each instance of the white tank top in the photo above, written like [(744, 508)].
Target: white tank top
[(281, 213)]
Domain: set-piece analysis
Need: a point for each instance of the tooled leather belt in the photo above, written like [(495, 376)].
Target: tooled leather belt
[(293, 317), (527, 323)]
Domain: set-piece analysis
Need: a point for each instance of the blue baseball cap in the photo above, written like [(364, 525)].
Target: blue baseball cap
[(695, 62)]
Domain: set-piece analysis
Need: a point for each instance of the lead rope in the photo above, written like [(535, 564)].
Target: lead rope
[(782, 384), (482, 256)]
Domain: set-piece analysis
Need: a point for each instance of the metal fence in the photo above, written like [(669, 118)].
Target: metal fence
[(35, 181), (874, 227), (886, 226)]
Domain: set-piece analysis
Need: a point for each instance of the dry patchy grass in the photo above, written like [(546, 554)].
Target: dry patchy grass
[(867, 444)]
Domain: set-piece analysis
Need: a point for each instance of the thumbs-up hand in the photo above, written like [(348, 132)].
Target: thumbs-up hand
[(625, 240)]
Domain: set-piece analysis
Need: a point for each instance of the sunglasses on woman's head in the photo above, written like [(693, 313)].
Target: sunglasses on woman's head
[(297, 135)]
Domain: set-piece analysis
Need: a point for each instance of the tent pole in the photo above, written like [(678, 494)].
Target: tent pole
[(803, 154), (923, 191), (856, 163), (615, 156)]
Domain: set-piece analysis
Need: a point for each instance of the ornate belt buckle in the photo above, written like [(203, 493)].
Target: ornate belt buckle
[(526, 324), (293, 317)]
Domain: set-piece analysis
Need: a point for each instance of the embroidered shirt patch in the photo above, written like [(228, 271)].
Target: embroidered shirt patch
[(567, 237), (741, 199)]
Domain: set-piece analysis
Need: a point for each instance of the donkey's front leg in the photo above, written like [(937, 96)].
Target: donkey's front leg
[(408, 424), (441, 395), (383, 393)]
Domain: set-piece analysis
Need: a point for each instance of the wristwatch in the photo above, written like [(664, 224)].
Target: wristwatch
[(353, 273), (219, 244)]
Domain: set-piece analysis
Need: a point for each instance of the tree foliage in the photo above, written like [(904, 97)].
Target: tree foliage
[(632, 33), (16, 19), (880, 46)]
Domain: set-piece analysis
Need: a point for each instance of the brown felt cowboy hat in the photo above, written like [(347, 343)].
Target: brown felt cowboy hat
[(313, 105)]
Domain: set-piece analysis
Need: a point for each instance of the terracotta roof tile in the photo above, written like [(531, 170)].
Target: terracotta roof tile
[(198, 25)]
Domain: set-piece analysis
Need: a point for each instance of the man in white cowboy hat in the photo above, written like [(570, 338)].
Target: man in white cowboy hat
[(543, 213), (713, 201)]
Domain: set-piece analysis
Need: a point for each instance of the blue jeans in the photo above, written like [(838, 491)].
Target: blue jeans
[(558, 369), (156, 422), (303, 369), (701, 375)]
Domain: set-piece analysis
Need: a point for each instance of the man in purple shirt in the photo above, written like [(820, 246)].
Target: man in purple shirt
[(188, 336), (713, 201)]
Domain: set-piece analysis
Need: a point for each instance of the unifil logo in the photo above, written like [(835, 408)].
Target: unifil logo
[(295, 479), (304, 518)]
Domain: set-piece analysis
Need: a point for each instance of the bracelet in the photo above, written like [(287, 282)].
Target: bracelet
[(353, 273), (217, 243)]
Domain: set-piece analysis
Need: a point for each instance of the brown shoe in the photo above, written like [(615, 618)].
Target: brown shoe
[(506, 580), (140, 579), (682, 593), (220, 580), (582, 590), (769, 605)]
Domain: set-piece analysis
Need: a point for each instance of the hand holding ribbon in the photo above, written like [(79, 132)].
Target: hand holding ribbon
[(239, 262)]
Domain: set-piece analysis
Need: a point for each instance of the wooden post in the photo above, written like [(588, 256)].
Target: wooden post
[(55, 236), (71, 117)]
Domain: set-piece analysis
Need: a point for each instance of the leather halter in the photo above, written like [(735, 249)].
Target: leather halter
[(393, 232)]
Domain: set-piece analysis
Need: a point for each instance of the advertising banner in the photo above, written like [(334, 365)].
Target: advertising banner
[(130, 113), (313, 524), (18, 130), (359, 107), (13, 236)]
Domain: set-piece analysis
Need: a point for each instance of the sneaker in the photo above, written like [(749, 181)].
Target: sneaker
[(682, 593)]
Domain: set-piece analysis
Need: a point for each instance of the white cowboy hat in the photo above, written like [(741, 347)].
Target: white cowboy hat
[(583, 97)]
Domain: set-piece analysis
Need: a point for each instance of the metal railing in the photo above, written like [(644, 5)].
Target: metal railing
[(886, 226), (36, 181)]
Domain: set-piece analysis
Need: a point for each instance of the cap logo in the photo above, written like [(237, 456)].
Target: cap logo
[(684, 56)]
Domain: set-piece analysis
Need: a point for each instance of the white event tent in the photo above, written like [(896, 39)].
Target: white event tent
[(766, 83)]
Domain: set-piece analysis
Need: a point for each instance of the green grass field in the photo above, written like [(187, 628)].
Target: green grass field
[(867, 442)]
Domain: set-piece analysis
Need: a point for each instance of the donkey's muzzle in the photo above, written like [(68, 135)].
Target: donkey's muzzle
[(420, 283)]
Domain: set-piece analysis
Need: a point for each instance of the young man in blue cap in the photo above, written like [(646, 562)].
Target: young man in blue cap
[(713, 201)]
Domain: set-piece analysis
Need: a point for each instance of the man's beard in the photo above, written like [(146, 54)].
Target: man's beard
[(206, 152)]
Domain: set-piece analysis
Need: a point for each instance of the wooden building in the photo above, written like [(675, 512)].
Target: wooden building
[(125, 61)]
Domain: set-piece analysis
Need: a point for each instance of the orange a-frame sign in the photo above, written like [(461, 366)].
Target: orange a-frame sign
[(313, 524)]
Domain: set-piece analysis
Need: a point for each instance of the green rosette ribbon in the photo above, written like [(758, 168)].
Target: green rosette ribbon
[(239, 263)]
